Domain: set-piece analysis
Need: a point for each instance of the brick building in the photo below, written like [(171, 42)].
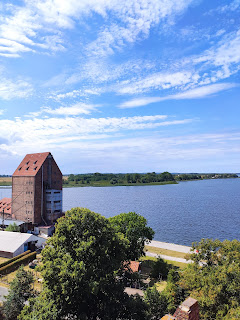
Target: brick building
[(37, 189)]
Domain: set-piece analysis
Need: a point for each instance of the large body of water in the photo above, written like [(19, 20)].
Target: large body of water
[(180, 213)]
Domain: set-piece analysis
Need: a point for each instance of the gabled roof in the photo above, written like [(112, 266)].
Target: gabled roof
[(5, 203), (11, 241), (31, 164)]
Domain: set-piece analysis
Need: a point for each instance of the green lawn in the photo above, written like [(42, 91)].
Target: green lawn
[(166, 252)]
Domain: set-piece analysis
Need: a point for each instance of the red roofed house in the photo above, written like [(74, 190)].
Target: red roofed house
[(37, 189), (5, 205)]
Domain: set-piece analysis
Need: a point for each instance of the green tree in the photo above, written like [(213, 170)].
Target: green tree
[(134, 227), (80, 267), (21, 289), (13, 227), (214, 277), (156, 303)]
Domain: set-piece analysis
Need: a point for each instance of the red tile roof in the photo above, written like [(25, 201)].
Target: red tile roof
[(132, 266), (31, 164), (5, 204)]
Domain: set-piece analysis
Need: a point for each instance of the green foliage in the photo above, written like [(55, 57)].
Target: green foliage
[(134, 227), (15, 258), (160, 269), (80, 267), (156, 302), (214, 277), (21, 289), (18, 262), (13, 227), (100, 179)]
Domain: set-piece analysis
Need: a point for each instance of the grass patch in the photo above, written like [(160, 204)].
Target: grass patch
[(3, 259), (166, 252), (37, 275), (104, 183), (5, 181), (161, 285), (149, 261)]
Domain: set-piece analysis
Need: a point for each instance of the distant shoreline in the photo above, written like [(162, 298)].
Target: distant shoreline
[(7, 182)]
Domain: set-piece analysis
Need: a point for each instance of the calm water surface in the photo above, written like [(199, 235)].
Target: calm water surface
[(180, 213)]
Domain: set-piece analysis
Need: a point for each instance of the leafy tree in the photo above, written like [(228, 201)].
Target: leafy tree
[(13, 227), (134, 227), (214, 277), (80, 267), (21, 289), (156, 303)]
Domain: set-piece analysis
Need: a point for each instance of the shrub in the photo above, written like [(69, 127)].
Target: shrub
[(15, 264), (15, 258)]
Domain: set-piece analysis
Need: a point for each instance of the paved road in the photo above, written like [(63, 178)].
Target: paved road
[(169, 246), (3, 292), (163, 256)]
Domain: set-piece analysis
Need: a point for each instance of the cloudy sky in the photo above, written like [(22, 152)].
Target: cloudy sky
[(121, 86)]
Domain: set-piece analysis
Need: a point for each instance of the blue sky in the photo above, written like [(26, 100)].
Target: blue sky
[(121, 86)]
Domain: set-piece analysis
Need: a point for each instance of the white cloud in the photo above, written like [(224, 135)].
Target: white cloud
[(197, 93), (41, 23), (158, 81), (136, 19), (73, 110), (10, 89), (53, 132)]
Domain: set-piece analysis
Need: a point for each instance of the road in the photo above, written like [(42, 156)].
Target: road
[(169, 246), (3, 292)]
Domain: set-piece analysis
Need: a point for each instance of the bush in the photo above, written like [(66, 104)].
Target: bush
[(14, 259), (15, 264)]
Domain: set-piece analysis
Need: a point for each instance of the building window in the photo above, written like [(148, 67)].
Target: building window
[(27, 168), (35, 162), (19, 168), (27, 163), (35, 168), (56, 192), (58, 201)]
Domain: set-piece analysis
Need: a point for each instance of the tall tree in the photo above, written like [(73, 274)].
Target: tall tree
[(80, 267), (21, 289), (134, 227)]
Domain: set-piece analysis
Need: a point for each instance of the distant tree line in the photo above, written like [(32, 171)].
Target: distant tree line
[(119, 178), (139, 178)]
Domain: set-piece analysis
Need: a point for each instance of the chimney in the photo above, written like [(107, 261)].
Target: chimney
[(188, 310)]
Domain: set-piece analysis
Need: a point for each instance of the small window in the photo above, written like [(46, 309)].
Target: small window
[(56, 192), (19, 168), (48, 201), (35, 168), (27, 163), (27, 168), (35, 162), (58, 201)]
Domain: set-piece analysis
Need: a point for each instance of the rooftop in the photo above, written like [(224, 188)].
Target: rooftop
[(31, 164), (11, 241), (5, 203)]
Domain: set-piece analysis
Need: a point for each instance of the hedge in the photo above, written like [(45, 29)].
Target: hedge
[(15, 264), (15, 258)]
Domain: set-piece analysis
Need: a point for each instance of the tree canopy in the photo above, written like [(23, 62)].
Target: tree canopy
[(134, 227), (214, 278), (81, 268), (21, 289)]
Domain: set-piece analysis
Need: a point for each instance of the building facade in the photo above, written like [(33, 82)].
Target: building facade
[(37, 190)]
